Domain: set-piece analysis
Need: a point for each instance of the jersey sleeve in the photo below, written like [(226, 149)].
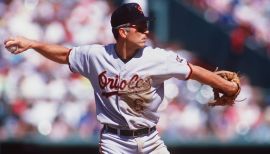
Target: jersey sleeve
[(80, 60), (177, 66)]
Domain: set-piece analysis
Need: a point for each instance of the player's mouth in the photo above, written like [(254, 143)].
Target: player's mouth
[(144, 40)]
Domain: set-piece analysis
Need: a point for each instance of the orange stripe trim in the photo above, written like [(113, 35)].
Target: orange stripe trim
[(68, 61), (189, 72)]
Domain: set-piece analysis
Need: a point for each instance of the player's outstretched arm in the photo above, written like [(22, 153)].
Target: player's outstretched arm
[(210, 78), (53, 52)]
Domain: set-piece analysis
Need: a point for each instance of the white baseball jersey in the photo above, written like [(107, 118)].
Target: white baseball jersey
[(128, 94)]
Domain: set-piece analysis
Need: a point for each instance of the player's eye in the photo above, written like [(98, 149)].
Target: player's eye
[(141, 27)]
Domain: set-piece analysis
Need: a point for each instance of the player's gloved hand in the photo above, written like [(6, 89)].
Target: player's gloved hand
[(221, 99)]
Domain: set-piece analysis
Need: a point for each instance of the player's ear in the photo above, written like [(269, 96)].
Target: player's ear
[(123, 32)]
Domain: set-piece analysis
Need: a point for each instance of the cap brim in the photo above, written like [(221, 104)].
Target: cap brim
[(143, 20)]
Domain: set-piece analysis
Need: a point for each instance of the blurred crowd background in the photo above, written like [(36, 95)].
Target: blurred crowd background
[(43, 101), (246, 20)]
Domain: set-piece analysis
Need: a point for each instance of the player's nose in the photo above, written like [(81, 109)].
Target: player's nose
[(146, 32)]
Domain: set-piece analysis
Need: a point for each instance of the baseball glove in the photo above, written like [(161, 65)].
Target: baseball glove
[(221, 99)]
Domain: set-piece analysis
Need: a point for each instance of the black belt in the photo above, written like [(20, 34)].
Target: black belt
[(130, 133)]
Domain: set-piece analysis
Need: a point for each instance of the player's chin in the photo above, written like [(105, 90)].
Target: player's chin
[(141, 44)]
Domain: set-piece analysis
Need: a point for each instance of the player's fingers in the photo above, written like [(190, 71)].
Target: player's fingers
[(9, 39), (10, 43), (19, 50), (5, 41)]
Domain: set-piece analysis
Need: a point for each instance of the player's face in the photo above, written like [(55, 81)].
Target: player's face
[(137, 35)]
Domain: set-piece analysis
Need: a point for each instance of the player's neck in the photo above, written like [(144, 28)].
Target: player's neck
[(124, 51)]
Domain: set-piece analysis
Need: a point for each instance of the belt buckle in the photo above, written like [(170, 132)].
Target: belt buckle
[(138, 133)]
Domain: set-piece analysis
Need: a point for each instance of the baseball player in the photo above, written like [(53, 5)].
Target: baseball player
[(128, 80)]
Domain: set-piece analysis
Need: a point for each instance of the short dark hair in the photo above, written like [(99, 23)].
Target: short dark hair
[(115, 33)]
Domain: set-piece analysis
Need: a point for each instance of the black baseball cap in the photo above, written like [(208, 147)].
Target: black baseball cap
[(128, 13)]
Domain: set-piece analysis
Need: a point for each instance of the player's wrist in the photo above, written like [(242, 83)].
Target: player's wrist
[(33, 44)]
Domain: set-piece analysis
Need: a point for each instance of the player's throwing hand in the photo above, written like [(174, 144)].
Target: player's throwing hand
[(16, 45)]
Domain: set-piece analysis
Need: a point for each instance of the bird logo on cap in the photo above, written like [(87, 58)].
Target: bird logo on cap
[(138, 7)]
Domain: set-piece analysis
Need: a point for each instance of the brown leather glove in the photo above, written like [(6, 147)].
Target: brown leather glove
[(221, 99)]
